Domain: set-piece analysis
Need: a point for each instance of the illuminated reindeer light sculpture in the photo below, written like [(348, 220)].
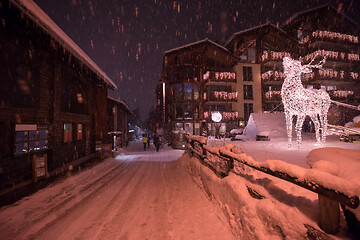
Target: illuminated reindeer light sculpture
[(303, 102)]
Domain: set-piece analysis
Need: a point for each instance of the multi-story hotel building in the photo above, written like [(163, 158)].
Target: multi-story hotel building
[(265, 45), (326, 32), (246, 75)]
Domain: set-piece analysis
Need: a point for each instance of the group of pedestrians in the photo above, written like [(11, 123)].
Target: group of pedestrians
[(147, 140)]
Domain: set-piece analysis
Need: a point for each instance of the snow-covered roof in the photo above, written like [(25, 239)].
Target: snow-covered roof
[(34, 12), (252, 29), (197, 43), (313, 9), (121, 102)]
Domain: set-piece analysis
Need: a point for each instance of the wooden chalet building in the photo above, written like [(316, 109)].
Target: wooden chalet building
[(118, 122), (324, 31), (265, 45), (51, 99), (199, 79)]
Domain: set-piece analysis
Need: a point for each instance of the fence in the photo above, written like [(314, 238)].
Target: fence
[(221, 161)]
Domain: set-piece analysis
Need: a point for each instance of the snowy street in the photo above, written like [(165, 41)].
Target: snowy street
[(138, 195)]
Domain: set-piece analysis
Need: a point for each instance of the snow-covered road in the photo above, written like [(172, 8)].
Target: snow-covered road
[(138, 195)]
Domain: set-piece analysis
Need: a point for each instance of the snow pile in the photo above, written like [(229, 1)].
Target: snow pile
[(236, 131), (265, 124), (249, 217), (346, 162), (355, 124)]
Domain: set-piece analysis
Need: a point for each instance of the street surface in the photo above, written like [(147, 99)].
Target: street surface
[(137, 195)]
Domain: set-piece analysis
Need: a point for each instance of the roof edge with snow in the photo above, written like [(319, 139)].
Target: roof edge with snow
[(206, 40), (298, 14), (33, 11)]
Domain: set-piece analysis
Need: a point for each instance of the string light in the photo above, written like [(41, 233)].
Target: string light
[(274, 55), (222, 95), (302, 102), (219, 75)]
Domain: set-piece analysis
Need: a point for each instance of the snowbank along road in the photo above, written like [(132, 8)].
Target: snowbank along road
[(137, 195)]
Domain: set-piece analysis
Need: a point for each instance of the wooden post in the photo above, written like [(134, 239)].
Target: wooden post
[(329, 214)]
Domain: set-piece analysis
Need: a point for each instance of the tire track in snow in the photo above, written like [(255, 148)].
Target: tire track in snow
[(95, 188)]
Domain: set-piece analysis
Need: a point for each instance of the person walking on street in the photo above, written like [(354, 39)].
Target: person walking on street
[(157, 142), (149, 138), (145, 140)]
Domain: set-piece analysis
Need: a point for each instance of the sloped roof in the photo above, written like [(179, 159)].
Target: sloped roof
[(195, 44), (34, 12), (248, 30), (327, 5), (122, 103)]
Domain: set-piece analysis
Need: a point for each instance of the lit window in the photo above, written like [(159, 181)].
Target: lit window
[(79, 131), (67, 132)]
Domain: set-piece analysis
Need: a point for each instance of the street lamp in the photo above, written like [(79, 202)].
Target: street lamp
[(216, 117)]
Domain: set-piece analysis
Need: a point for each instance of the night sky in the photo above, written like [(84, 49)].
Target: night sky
[(127, 39)]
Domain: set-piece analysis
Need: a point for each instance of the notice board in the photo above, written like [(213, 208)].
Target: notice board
[(40, 169)]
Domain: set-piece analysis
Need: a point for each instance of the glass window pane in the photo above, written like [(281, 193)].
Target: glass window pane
[(22, 136), (43, 144), (196, 91), (21, 148), (178, 91), (187, 91), (32, 135), (189, 127), (43, 134), (179, 126), (188, 111), (179, 111)]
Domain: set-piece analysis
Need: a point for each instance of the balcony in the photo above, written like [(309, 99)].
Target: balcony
[(341, 94), (333, 75), (272, 96), (333, 56), (273, 76), (212, 76), (221, 96), (271, 58), (328, 36), (226, 116)]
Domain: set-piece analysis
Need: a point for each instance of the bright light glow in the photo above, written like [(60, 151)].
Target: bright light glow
[(216, 116), (331, 35), (274, 55), (276, 75), (222, 95), (302, 102), (219, 75)]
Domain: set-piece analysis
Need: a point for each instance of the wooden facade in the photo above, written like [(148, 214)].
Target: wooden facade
[(118, 115), (47, 101)]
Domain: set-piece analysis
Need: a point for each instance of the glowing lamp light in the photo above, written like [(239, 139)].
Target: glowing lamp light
[(216, 116)]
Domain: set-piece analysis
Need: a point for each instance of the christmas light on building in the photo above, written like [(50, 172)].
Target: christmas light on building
[(302, 102)]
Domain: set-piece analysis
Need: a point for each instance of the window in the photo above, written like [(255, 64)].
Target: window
[(29, 138), (248, 109), (178, 91), (189, 127), (187, 91), (188, 111), (196, 92), (248, 92), (67, 132), (247, 74), (179, 126), (179, 111), (79, 131)]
